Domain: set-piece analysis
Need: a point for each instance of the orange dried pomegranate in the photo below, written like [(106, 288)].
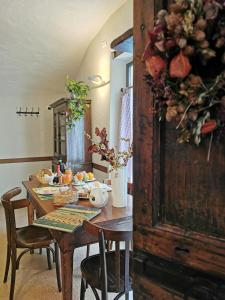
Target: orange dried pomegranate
[(180, 66), (155, 65)]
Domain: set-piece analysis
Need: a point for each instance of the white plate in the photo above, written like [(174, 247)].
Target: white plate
[(81, 183), (91, 180), (57, 184), (48, 190)]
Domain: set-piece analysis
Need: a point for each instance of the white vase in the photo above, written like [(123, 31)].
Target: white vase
[(119, 187)]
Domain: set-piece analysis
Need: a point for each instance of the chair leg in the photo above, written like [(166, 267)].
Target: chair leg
[(7, 263), (57, 266), (49, 258), (19, 258), (88, 250), (105, 297), (87, 255), (82, 289), (13, 273)]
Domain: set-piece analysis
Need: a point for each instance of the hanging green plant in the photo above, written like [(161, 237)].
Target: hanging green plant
[(78, 92)]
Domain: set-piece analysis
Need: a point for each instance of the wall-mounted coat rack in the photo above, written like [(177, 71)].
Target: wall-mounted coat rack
[(28, 112)]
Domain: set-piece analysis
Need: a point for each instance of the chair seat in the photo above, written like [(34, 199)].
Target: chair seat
[(33, 237), (90, 268)]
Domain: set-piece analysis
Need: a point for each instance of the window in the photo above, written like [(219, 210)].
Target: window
[(126, 122), (129, 75)]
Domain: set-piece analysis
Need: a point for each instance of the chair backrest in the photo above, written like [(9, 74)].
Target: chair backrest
[(107, 234), (9, 207)]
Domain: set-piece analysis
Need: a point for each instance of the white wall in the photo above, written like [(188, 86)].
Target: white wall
[(37, 50), (24, 136), (97, 61)]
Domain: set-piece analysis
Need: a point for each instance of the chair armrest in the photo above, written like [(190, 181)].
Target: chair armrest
[(21, 203)]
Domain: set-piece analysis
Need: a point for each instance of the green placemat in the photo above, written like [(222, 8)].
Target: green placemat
[(44, 197)]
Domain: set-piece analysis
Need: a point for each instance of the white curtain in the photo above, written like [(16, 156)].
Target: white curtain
[(126, 125), (75, 142)]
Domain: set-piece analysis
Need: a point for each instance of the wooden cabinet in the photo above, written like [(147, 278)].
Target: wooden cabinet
[(179, 197), (71, 145)]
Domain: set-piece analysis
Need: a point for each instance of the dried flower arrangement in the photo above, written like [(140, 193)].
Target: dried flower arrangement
[(117, 159), (185, 59)]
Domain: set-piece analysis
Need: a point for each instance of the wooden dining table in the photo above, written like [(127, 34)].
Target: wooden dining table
[(110, 217)]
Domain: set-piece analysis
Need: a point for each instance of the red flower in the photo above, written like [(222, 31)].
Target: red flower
[(155, 65), (208, 126), (180, 66)]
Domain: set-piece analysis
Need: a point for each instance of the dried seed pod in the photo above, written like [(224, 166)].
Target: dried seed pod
[(162, 13), (181, 108), (171, 113), (182, 42), (155, 65), (201, 24), (195, 80), (220, 42), (180, 66), (204, 44), (188, 50), (183, 86), (175, 8), (199, 35)]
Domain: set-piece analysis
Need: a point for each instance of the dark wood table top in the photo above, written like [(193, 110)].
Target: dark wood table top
[(117, 217)]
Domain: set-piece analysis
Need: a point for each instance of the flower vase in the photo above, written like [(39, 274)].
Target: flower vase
[(119, 187)]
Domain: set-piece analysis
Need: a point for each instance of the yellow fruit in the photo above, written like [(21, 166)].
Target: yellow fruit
[(90, 175)]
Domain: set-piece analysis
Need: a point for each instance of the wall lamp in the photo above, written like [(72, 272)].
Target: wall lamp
[(97, 81)]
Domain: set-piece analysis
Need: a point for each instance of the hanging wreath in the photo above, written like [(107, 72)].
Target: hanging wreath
[(185, 60)]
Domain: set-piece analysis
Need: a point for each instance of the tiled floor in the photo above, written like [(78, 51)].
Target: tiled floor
[(33, 280)]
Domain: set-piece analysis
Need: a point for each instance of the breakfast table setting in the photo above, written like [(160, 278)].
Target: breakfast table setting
[(81, 191)]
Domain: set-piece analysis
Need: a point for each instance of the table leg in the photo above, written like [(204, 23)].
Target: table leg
[(67, 273), (30, 212)]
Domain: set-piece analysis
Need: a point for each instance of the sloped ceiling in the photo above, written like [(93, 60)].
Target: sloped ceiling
[(43, 40)]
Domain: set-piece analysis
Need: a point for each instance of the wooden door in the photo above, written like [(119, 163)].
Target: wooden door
[(179, 198)]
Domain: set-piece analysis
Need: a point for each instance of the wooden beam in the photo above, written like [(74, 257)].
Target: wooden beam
[(124, 43), (24, 159)]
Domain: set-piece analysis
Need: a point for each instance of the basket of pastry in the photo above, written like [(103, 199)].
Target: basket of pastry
[(65, 197), (45, 176)]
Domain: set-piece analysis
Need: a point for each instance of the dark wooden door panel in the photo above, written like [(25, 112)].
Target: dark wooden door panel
[(194, 189), (179, 198), (149, 290)]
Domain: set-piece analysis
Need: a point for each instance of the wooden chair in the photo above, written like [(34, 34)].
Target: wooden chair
[(28, 238), (108, 271)]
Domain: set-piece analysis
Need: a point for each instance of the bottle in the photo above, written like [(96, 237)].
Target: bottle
[(58, 177), (62, 166)]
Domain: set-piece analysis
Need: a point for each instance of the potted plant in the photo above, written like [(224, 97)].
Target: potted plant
[(78, 92), (117, 160)]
